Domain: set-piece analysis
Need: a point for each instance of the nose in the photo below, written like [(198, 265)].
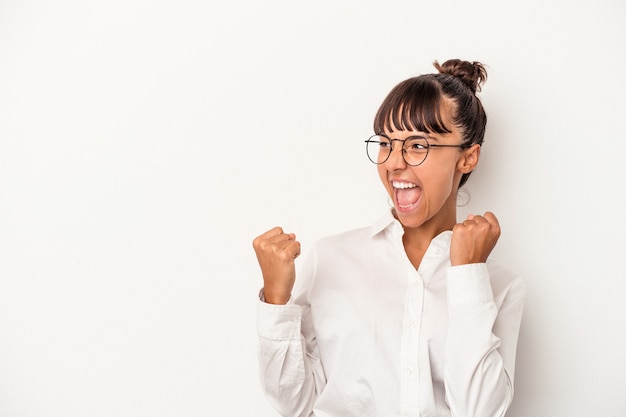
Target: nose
[(396, 159)]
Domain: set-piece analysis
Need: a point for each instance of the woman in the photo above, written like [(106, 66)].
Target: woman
[(410, 316)]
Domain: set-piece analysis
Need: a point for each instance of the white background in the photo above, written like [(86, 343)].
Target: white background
[(143, 145)]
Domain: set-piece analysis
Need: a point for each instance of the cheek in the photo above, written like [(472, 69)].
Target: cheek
[(382, 173), (440, 179)]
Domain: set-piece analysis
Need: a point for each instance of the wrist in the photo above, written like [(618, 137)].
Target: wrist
[(275, 297)]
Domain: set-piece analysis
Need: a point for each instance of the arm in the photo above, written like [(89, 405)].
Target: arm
[(484, 323), (290, 370), (482, 341)]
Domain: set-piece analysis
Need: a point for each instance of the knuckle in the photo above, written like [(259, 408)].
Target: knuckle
[(265, 246), (284, 256), (458, 228)]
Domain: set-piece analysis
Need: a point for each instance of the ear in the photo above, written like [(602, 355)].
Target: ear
[(469, 160)]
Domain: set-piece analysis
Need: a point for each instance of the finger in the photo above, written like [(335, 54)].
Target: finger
[(275, 231), (280, 241), (473, 220), (469, 222), (283, 237), (293, 249), (271, 237), (287, 243), (277, 235), (492, 219), (288, 250), (477, 219)]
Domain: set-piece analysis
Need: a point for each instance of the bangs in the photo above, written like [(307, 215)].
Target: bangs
[(414, 104)]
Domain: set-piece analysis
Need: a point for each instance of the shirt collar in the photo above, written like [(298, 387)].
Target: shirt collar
[(385, 222)]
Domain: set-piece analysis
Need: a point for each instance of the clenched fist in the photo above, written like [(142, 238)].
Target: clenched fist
[(474, 239), (276, 252)]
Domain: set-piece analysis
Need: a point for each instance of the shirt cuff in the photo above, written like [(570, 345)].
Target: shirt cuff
[(276, 321), (469, 284)]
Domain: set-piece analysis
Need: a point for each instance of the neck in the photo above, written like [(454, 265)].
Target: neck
[(416, 240), (422, 236)]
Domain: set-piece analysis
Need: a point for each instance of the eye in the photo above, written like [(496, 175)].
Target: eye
[(416, 145), (382, 141)]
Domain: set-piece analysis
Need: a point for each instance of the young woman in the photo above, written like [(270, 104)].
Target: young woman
[(410, 316)]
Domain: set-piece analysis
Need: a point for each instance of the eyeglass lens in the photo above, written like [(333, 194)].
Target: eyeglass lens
[(414, 150)]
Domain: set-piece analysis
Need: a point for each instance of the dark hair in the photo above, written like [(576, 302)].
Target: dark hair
[(416, 103)]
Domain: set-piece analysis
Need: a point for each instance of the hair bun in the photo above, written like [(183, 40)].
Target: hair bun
[(473, 74)]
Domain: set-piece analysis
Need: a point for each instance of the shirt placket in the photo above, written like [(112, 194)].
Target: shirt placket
[(410, 399)]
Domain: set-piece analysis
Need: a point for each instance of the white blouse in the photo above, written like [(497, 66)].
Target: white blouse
[(365, 334)]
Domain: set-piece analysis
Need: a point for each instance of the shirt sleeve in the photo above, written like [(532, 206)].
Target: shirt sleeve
[(290, 369), (485, 310)]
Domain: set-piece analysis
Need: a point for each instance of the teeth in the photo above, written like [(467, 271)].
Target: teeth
[(397, 184)]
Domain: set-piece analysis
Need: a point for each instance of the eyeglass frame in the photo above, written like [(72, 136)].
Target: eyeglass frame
[(428, 146)]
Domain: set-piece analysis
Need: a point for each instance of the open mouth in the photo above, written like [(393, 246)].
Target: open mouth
[(407, 194)]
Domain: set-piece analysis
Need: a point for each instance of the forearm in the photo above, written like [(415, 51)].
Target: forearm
[(481, 344), (476, 379), (286, 370)]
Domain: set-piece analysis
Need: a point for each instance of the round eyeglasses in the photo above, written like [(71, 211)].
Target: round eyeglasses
[(414, 149)]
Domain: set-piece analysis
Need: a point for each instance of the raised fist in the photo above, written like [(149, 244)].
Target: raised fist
[(474, 239), (276, 252)]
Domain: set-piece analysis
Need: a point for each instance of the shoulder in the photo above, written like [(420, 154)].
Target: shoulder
[(341, 243), (349, 236), (333, 258), (346, 248), (362, 236)]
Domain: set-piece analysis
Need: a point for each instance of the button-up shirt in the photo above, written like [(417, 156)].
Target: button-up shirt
[(366, 334)]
